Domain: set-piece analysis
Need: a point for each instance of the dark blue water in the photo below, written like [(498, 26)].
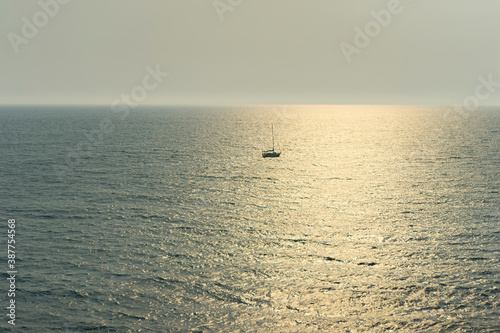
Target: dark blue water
[(169, 220)]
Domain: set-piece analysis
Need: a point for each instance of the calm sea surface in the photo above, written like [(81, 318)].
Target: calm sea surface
[(169, 220)]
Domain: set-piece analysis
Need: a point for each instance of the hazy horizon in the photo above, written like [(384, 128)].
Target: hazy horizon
[(250, 53)]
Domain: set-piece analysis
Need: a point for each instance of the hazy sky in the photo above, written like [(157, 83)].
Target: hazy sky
[(250, 51)]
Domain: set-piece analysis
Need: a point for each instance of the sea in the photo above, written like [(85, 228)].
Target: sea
[(168, 219)]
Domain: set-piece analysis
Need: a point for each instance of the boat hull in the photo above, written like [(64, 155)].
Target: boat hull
[(270, 154)]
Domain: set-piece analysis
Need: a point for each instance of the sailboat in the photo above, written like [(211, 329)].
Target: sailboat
[(272, 152)]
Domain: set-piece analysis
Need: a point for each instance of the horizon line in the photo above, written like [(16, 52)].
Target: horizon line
[(224, 105)]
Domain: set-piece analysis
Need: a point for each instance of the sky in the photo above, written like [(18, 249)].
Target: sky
[(233, 52)]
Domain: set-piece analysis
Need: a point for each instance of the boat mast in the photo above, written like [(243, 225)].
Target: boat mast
[(272, 130)]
